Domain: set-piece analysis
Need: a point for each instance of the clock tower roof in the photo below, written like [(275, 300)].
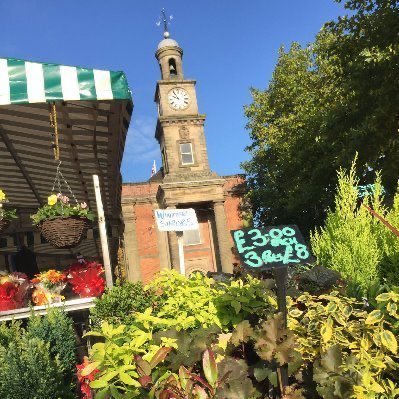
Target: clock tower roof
[(167, 41)]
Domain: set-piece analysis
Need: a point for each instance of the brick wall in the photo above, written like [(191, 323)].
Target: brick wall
[(143, 194)]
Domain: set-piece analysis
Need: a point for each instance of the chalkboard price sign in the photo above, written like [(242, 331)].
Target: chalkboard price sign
[(272, 246)]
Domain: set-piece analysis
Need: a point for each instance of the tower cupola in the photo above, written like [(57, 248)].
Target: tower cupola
[(169, 56)]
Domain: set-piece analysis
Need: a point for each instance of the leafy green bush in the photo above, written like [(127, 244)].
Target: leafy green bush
[(354, 352), (199, 301), (29, 372), (355, 243), (10, 332), (119, 304), (56, 329)]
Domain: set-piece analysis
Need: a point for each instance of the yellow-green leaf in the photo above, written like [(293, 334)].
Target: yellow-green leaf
[(109, 375), (98, 384), (383, 297), (295, 312), (392, 308), (326, 332), (236, 305), (377, 387), (374, 317), (389, 341), (126, 379), (90, 368)]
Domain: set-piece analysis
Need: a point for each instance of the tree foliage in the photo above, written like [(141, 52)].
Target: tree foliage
[(324, 103)]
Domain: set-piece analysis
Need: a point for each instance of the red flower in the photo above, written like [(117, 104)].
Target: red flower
[(7, 291), (85, 380), (86, 279)]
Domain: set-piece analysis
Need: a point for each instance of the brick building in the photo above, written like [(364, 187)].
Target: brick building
[(184, 181)]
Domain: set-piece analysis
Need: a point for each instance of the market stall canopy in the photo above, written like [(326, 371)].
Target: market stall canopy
[(93, 112)]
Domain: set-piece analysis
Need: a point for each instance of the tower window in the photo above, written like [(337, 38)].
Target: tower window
[(172, 67), (186, 152), (191, 237)]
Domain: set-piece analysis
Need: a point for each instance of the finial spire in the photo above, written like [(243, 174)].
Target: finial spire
[(165, 21)]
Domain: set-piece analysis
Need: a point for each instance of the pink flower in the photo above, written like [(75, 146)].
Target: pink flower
[(63, 198), (83, 205)]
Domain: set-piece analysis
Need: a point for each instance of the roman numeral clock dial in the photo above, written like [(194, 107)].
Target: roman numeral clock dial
[(178, 98)]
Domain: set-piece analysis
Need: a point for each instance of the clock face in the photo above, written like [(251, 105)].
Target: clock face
[(178, 98)]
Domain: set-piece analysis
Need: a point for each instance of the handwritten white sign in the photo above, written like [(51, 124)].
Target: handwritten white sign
[(176, 219)]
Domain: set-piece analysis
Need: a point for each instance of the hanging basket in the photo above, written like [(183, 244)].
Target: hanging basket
[(64, 232), (4, 223)]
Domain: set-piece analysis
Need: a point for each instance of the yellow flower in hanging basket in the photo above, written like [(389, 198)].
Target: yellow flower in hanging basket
[(52, 200), (2, 195)]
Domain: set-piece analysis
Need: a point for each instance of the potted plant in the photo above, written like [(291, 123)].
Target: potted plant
[(6, 215), (86, 279), (13, 290), (48, 287), (62, 224)]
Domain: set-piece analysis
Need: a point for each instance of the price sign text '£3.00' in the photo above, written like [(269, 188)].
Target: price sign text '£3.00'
[(271, 246)]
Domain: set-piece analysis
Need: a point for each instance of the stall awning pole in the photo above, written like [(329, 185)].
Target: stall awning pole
[(103, 232)]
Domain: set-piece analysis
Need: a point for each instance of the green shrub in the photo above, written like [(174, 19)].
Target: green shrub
[(347, 349), (10, 332), (56, 330), (29, 372), (354, 352), (198, 301), (355, 243), (118, 304)]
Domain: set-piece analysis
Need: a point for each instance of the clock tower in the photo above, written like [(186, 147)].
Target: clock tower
[(180, 127), (187, 181)]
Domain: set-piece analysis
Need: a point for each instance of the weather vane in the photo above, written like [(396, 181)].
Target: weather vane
[(163, 19)]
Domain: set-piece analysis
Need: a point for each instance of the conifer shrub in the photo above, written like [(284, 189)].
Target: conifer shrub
[(353, 242)]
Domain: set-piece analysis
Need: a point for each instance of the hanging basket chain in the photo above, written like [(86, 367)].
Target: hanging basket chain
[(54, 124), (59, 179)]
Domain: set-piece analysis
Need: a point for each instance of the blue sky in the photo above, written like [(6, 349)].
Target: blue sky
[(229, 46)]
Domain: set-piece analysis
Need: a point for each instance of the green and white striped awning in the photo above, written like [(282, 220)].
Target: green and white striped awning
[(24, 82)]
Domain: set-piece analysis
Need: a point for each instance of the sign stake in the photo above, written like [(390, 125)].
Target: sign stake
[(180, 242), (281, 275), (103, 232)]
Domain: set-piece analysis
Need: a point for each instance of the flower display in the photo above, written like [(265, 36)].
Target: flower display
[(2, 195), (51, 279), (84, 381), (58, 205), (48, 287), (86, 279), (13, 290)]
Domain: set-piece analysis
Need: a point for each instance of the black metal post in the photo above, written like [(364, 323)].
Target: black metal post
[(281, 276)]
